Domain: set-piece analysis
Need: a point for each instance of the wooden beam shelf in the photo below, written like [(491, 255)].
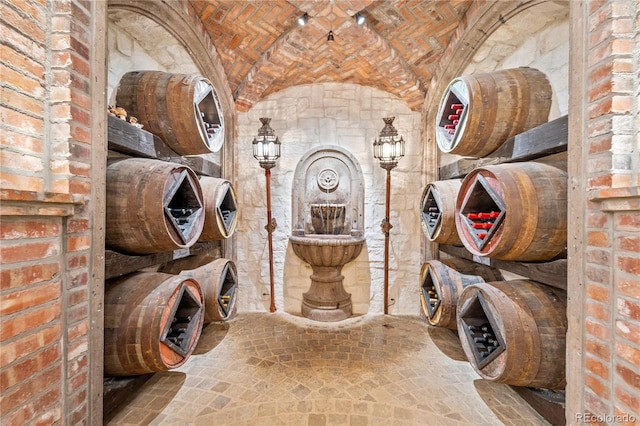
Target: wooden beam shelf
[(125, 138), (118, 264), (547, 139), (553, 273)]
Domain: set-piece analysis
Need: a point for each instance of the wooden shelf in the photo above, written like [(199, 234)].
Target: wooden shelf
[(127, 139), (547, 139), (118, 264), (552, 273)]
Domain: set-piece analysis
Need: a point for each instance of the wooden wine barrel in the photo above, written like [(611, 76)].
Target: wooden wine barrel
[(152, 322), (221, 216), (182, 109), (513, 332), (479, 112), (441, 283), (218, 279), (439, 211), (152, 206), (514, 212)]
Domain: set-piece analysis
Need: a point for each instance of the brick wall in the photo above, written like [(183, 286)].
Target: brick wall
[(608, 335), (46, 224), (32, 326)]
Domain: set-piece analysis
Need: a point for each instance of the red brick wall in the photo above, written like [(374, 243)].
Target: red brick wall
[(46, 223), (611, 326)]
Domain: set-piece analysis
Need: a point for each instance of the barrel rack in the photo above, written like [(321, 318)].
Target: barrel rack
[(127, 140), (546, 143)]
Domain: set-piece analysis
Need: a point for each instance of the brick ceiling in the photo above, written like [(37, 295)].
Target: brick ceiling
[(264, 50)]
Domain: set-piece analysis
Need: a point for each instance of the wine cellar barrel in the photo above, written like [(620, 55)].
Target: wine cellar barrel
[(152, 206), (218, 279), (438, 212), (514, 211), (479, 112), (442, 282), (152, 322), (221, 216), (513, 332), (182, 109)]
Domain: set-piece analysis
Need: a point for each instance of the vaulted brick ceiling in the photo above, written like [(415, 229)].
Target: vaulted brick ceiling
[(264, 50)]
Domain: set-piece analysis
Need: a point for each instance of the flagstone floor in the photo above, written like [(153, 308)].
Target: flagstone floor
[(278, 369)]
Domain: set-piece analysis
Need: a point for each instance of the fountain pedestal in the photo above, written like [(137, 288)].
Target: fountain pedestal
[(327, 300)]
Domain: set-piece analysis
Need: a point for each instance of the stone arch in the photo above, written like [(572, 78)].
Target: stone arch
[(185, 27)]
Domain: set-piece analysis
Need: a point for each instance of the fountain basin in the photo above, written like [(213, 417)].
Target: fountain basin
[(328, 218), (327, 300), (326, 250)]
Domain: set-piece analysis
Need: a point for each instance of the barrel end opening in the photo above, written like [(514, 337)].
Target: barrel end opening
[(227, 210), (431, 213), (481, 330), (451, 117), (208, 115), (184, 208), (430, 293), (184, 322), (481, 212), (228, 290)]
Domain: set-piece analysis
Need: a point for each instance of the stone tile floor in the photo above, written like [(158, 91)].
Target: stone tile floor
[(278, 369)]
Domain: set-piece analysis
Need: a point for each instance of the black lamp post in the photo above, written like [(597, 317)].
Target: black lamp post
[(266, 149), (388, 149)]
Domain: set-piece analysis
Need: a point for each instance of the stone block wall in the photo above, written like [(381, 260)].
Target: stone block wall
[(46, 201), (537, 38), (349, 116), (136, 42)]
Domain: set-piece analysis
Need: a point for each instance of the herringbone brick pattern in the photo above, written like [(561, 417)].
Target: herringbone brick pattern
[(264, 50)]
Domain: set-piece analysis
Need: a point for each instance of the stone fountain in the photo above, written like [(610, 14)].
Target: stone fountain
[(328, 227)]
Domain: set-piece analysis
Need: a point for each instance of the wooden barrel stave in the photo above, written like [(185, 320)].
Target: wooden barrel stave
[(220, 201), (496, 106), (217, 278), (138, 191), (533, 197), (168, 105), (443, 194), (150, 299), (448, 278), (531, 320)]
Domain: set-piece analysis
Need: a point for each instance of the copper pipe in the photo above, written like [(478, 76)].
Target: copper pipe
[(386, 228), (270, 227)]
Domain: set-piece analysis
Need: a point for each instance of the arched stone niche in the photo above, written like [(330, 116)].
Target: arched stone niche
[(328, 176), (182, 46)]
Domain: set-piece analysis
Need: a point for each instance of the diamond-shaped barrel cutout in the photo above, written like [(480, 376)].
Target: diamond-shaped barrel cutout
[(481, 331), (431, 293), (208, 111), (183, 207), (227, 209), (178, 332), (482, 211), (228, 289), (452, 114), (431, 212)]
